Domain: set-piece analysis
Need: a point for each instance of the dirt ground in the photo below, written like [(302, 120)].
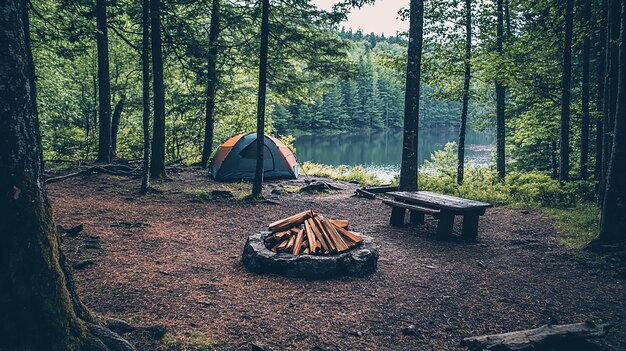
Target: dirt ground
[(172, 257)]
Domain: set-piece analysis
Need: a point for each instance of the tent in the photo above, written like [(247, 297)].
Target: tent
[(235, 159)]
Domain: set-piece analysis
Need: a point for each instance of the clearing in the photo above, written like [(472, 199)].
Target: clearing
[(172, 257)]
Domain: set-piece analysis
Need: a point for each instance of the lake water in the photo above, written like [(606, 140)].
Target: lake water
[(380, 152)]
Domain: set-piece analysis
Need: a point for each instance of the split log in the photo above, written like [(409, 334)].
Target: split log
[(538, 338), (292, 221), (310, 237), (331, 245), (319, 238), (342, 223), (298, 243), (340, 244), (346, 233)]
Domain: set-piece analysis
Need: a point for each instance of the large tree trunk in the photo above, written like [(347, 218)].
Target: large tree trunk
[(500, 96), (157, 161), (145, 94), (613, 219), (257, 186), (104, 84), (566, 82), (408, 169), (610, 89), (115, 124), (601, 68), (209, 121), (466, 87), (584, 126), (40, 308)]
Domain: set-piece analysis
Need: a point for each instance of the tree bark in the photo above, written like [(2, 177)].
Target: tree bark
[(40, 308), (257, 186), (584, 125), (500, 96), (409, 165), (157, 159), (209, 121), (104, 84), (566, 88), (115, 124), (466, 87), (145, 94), (601, 68), (610, 90), (613, 220)]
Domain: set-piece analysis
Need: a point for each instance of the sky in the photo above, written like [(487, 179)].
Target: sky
[(382, 17)]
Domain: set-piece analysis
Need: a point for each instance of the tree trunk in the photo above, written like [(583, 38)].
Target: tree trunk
[(104, 84), (613, 219), (566, 82), (610, 89), (40, 308), (408, 169), (257, 186), (209, 122), (500, 91), (466, 87), (115, 124), (157, 161), (584, 126), (601, 69), (145, 94)]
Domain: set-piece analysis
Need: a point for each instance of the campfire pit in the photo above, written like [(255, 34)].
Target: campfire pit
[(310, 246)]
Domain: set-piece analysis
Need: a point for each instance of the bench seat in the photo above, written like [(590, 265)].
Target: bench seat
[(426, 210)]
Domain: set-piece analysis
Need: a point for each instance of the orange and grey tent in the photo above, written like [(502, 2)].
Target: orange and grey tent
[(235, 159)]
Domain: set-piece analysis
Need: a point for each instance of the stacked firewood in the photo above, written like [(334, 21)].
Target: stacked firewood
[(309, 233)]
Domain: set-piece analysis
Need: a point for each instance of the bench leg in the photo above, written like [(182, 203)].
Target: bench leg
[(445, 224), (416, 217), (397, 217), (470, 227)]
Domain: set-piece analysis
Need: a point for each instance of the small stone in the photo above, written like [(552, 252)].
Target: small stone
[(410, 330), (85, 263), (430, 267), (525, 211), (355, 333), (260, 346), (482, 264), (484, 245)]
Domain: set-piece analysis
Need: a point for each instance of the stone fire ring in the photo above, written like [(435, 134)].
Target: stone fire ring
[(359, 261)]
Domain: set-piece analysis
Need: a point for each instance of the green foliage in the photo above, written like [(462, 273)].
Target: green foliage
[(342, 172), (521, 189), (194, 341)]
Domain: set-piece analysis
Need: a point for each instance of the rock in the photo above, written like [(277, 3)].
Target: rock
[(410, 330), (360, 261), (278, 191), (260, 346), (482, 264), (355, 333), (84, 263)]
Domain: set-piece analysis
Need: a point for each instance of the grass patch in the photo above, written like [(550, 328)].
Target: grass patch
[(576, 225), (193, 341), (341, 172)]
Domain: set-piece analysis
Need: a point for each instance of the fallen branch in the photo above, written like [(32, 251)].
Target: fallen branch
[(538, 338), (118, 170)]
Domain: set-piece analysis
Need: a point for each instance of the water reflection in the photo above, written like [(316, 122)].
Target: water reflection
[(381, 151)]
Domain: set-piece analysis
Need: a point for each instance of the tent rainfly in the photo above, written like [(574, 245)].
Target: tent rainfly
[(235, 159)]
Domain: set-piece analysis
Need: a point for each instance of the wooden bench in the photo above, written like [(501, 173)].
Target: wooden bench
[(442, 207), (416, 212)]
